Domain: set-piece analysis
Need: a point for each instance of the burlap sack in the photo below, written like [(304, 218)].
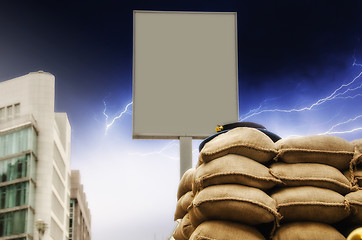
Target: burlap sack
[(234, 203), (307, 231), (357, 144), (182, 204), (355, 168), (355, 201), (233, 168), (311, 174), (354, 177), (248, 142), (186, 183), (325, 149), (184, 229), (224, 230), (310, 204)]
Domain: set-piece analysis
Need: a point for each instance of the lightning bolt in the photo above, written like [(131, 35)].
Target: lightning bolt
[(108, 125), (105, 109), (330, 131), (161, 152), (332, 96), (344, 91)]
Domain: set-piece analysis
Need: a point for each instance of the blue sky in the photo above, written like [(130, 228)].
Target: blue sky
[(291, 54)]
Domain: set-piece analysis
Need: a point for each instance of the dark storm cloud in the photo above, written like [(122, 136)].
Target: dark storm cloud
[(296, 38)]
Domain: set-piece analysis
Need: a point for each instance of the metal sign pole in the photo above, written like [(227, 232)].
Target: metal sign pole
[(185, 154)]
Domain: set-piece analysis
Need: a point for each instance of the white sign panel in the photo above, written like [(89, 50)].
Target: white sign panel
[(185, 78)]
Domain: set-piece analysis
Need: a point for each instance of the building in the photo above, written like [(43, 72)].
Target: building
[(34, 160), (80, 217)]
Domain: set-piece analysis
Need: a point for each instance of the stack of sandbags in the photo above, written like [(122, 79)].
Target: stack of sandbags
[(244, 184), (185, 196), (229, 186), (311, 197)]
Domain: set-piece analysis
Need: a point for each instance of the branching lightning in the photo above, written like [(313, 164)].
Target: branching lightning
[(334, 95), (344, 91), (161, 152), (108, 125), (330, 131)]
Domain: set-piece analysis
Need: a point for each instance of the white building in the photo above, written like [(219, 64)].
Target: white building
[(80, 216), (34, 160)]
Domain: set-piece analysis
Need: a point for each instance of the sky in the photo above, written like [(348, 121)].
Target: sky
[(299, 67)]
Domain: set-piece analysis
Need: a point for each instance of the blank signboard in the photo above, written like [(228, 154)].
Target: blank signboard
[(185, 79)]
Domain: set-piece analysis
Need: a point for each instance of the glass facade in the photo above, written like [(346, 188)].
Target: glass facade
[(17, 177), (18, 167), (13, 223), (18, 141)]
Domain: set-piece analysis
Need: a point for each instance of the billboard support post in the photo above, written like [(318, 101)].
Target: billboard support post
[(185, 154)]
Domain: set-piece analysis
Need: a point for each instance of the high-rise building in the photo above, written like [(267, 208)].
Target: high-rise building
[(34, 160), (80, 217)]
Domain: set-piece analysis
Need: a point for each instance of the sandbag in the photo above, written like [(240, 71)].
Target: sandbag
[(184, 229), (357, 144), (355, 201), (248, 142), (182, 204), (224, 230), (354, 177), (310, 204), (307, 231), (186, 182), (232, 202), (324, 149), (355, 174), (236, 169), (311, 174)]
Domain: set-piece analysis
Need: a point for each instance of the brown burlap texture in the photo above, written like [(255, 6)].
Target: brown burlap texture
[(186, 183), (248, 142), (354, 177), (184, 229), (233, 168), (355, 201), (233, 202), (182, 204), (355, 168), (223, 230), (311, 174), (310, 204), (307, 231), (324, 149), (357, 144)]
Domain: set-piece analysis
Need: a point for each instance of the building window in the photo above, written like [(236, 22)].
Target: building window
[(10, 111), (15, 168), (18, 141), (13, 223), (14, 195), (2, 113), (16, 109)]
